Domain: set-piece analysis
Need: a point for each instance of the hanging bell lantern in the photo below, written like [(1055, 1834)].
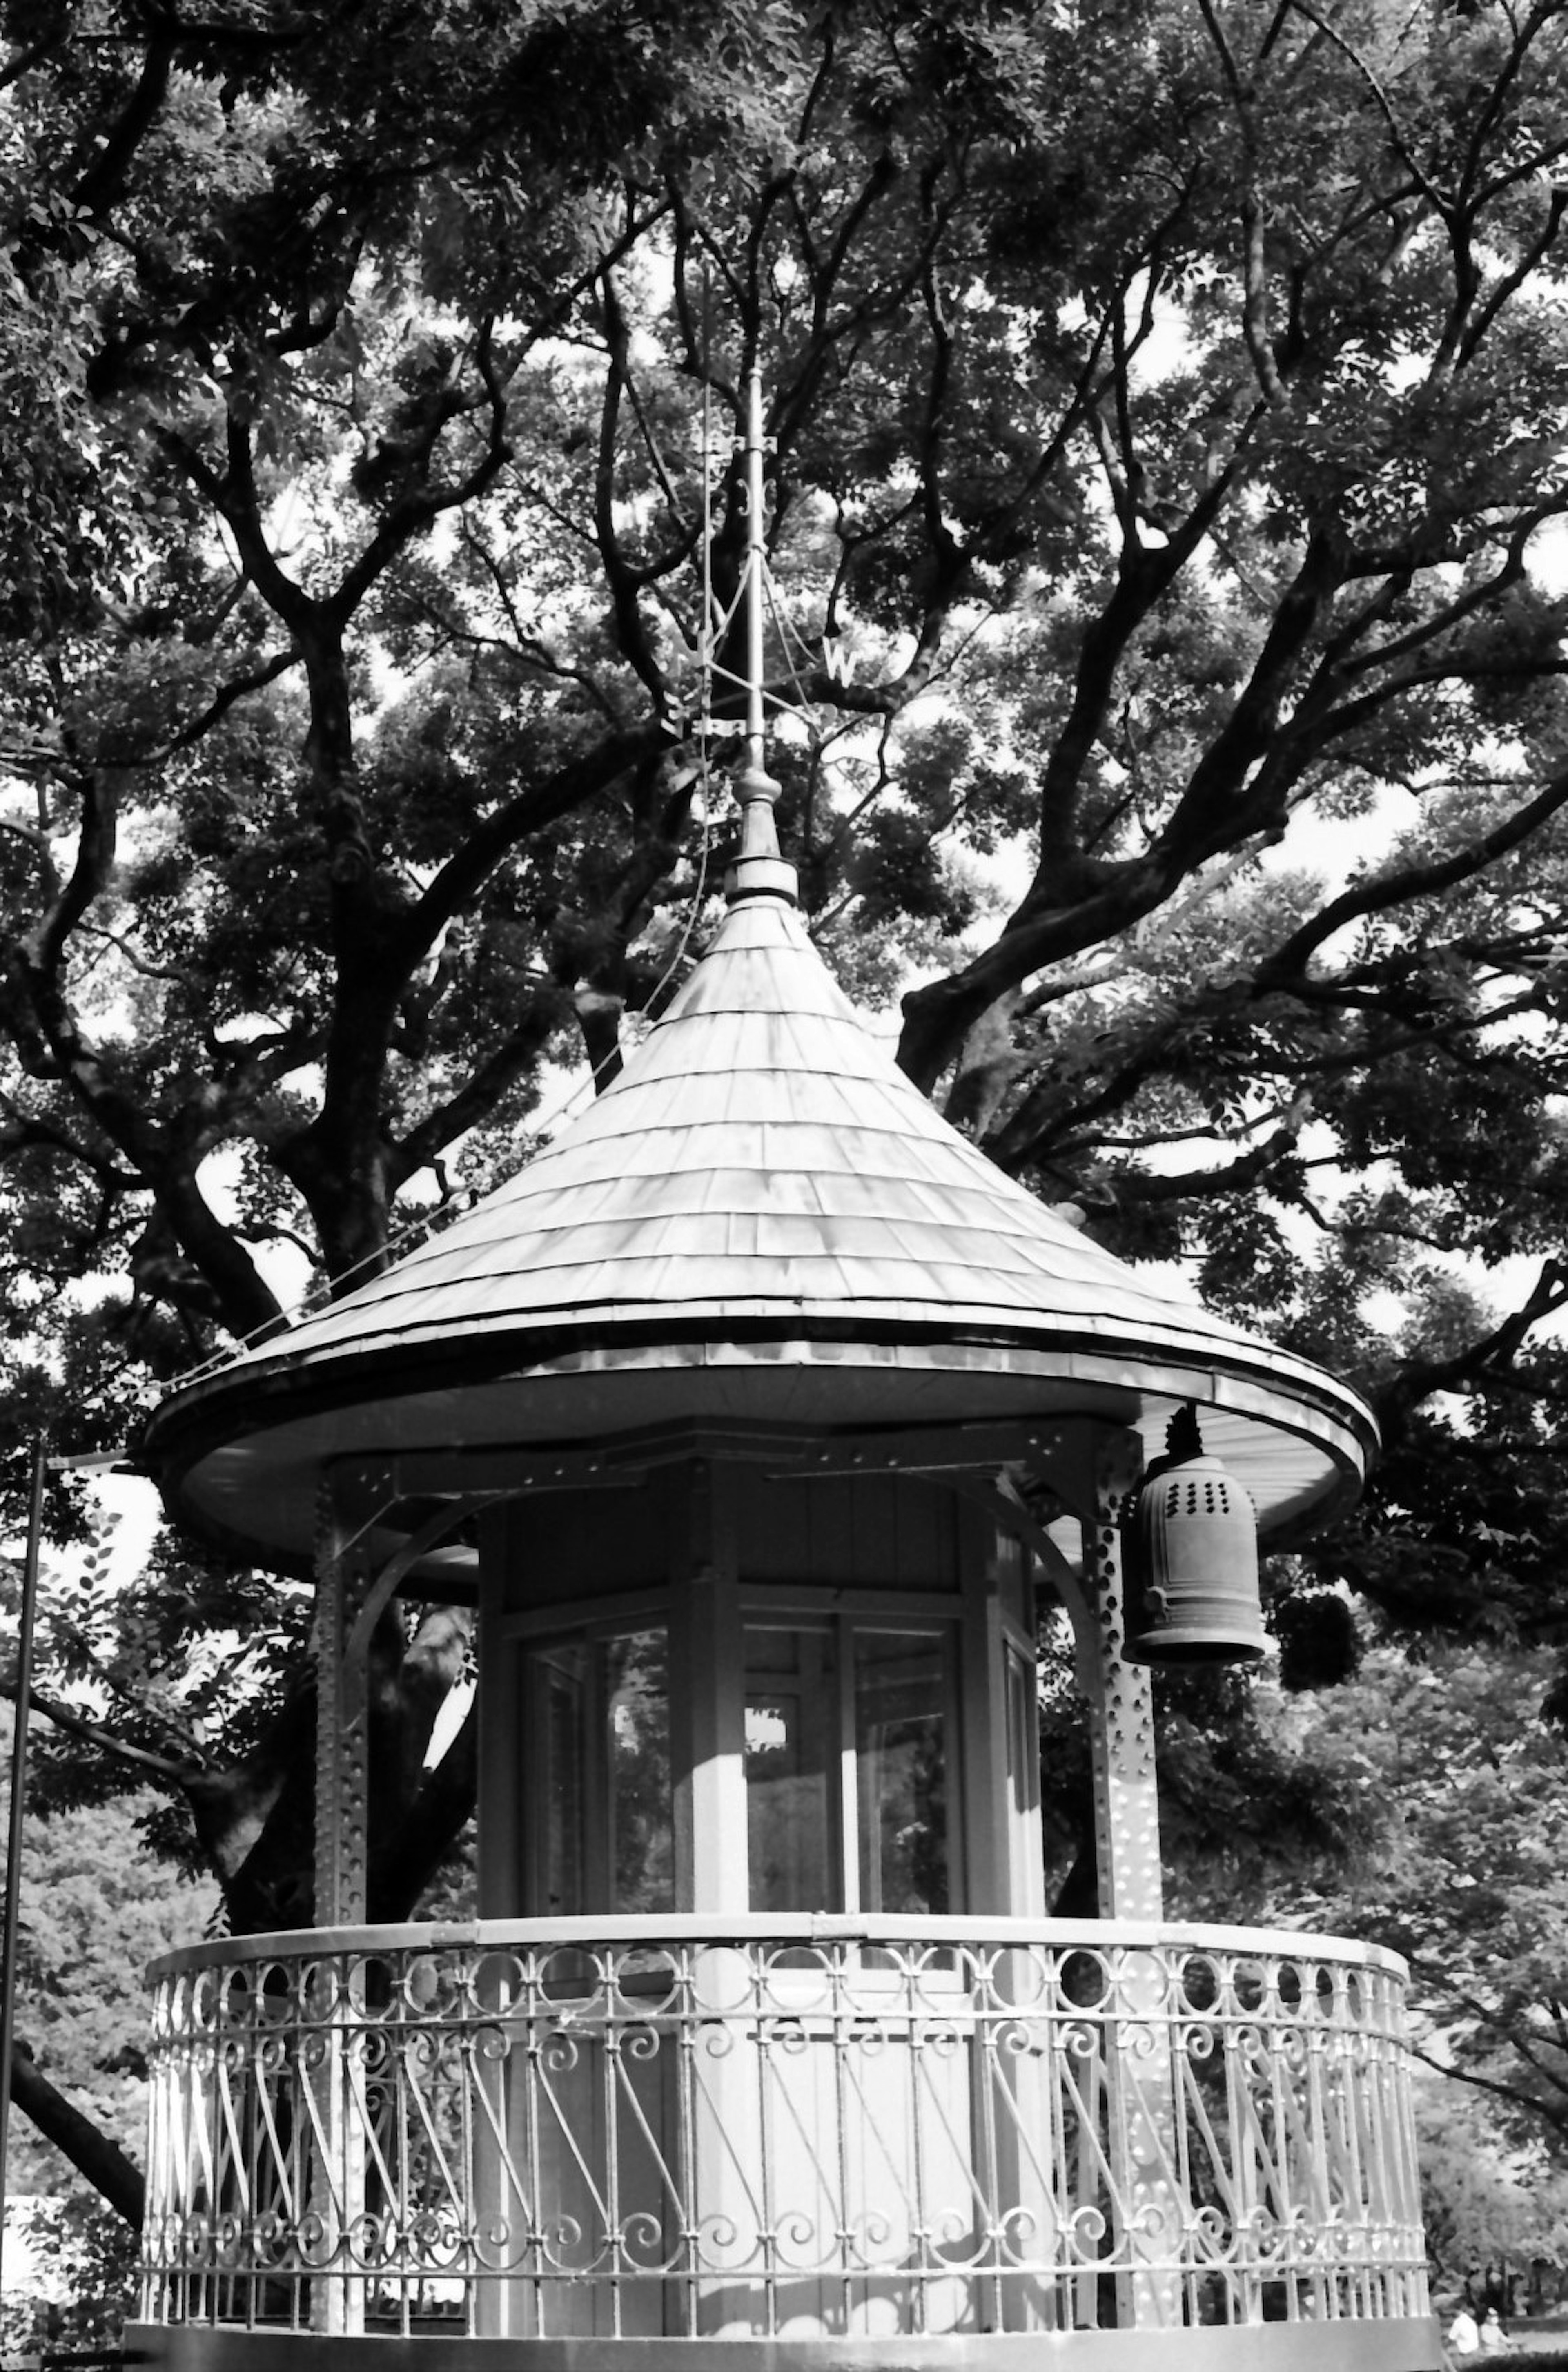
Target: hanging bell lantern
[(1190, 1560)]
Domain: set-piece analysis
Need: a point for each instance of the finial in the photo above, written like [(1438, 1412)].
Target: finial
[(760, 869), (1183, 1439)]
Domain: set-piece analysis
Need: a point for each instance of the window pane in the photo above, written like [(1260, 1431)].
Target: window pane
[(900, 1755), (791, 1746), (558, 1695), (1025, 1864), (598, 1795), (636, 1685)]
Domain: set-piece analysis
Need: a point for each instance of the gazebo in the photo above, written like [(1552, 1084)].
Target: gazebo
[(753, 1414)]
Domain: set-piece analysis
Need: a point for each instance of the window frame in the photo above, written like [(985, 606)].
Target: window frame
[(844, 1616), (708, 1684), (534, 1650)]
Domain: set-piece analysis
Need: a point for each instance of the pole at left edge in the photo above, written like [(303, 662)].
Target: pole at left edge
[(10, 1920)]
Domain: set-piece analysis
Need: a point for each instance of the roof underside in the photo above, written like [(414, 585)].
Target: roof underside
[(761, 1220)]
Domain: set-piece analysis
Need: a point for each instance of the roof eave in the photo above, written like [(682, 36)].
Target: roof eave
[(278, 1389)]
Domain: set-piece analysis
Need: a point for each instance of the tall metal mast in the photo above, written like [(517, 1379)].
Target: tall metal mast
[(760, 869)]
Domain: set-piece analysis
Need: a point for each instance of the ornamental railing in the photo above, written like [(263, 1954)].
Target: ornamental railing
[(834, 2127)]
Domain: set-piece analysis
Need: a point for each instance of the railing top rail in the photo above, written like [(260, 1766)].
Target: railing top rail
[(784, 1928)]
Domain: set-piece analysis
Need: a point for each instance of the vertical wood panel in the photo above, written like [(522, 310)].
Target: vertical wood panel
[(564, 1546), (871, 1532)]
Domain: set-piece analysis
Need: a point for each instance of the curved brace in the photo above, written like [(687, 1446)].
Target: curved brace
[(431, 1533), (350, 1602), (1000, 1499)]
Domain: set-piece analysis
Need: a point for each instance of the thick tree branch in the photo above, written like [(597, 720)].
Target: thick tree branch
[(90, 2150), (104, 1741), (623, 581), (583, 778), (104, 179), (1475, 1363), (422, 504), (1408, 885), (227, 697), (88, 875), (1514, 2093), (1149, 1189)]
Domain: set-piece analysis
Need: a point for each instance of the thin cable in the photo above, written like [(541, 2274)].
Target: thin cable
[(424, 1224), (431, 1222), (707, 642)]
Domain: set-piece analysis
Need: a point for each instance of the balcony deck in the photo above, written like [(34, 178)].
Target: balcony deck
[(796, 2140)]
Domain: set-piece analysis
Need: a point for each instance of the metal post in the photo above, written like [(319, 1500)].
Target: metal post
[(1139, 2072), (10, 1919), (758, 865), (343, 1745), (1126, 1798), (342, 1780), (756, 566)]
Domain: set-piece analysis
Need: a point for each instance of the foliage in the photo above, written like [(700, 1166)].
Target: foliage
[(98, 1902), (82, 2286), (97, 1905), (1485, 2202), (1420, 1801), (1136, 385), (1465, 1875), (1248, 1804)]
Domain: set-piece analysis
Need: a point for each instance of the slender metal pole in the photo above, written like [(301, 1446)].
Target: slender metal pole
[(10, 1917), (756, 564), (759, 866)]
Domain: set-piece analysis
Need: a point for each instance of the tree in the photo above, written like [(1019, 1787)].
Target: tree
[(1440, 1773), (1465, 1774), (98, 1902), (1486, 2199), (1168, 421)]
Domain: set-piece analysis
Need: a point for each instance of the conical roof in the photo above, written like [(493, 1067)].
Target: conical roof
[(761, 1220)]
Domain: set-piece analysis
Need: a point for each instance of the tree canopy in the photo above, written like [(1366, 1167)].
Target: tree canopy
[(1460, 1862), (1170, 455)]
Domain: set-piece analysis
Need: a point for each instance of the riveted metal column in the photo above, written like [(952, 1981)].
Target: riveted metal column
[(1127, 1832), (343, 1740), (1140, 2103), (342, 1790)]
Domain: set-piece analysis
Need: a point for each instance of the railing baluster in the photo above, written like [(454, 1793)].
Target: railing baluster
[(767, 2149), (686, 2133)]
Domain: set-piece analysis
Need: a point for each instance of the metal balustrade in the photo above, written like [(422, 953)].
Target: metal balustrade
[(786, 2127)]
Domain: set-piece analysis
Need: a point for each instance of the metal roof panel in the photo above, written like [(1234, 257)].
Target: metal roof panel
[(759, 1164)]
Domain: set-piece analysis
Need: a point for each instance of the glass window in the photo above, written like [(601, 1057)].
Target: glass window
[(791, 1748), (599, 1765), (1026, 1866), (900, 1752), (558, 1694), (883, 1736), (849, 1743), (642, 1827)]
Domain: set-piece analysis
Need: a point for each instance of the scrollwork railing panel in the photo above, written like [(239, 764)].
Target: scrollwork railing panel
[(831, 2127)]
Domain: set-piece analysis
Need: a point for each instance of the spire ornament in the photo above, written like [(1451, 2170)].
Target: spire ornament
[(759, 870)]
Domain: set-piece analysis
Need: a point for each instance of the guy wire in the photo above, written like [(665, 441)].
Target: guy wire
[(428, 1224)]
